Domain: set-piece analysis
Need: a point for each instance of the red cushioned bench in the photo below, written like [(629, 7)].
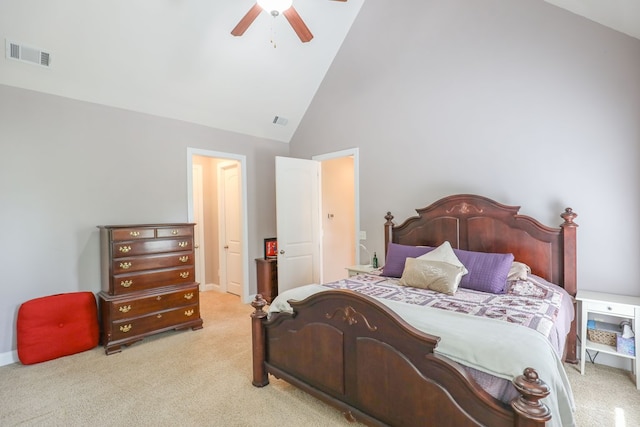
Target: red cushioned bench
[(56, 326)]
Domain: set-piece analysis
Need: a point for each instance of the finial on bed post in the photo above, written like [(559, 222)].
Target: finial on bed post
[(387, 231), (530, 411), (569, 215), (260, 377)]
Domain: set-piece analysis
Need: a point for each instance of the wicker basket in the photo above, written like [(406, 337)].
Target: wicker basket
[(603, 333)]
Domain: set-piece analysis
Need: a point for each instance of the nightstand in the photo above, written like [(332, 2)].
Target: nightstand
[(596, 305), (357, 269), (267, 277)]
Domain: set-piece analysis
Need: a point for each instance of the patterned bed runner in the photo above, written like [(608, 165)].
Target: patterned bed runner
[(529, 303)]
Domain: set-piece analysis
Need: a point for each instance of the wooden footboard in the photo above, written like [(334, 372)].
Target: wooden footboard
[(360, 357)]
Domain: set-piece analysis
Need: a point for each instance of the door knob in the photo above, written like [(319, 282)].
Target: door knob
[(226, 246), (281, 251)]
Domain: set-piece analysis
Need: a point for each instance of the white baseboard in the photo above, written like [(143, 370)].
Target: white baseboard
[(209, 287), (9, 357)]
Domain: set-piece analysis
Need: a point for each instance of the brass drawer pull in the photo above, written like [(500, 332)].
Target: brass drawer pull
[(124, 308), (183, 244), (126, 283), (174, 232), (158, 298), (159, 316), (184, 258), (125, 328), (125, 265), (189, 313), (134, 233), (188, 296), (184, 274), (124, 249)]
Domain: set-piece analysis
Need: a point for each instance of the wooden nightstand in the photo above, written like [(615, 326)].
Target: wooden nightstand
[(596, 305), (357, 269), (267, 276)]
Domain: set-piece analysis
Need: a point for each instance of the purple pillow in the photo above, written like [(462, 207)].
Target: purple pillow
[(397, 254), (487, 271)]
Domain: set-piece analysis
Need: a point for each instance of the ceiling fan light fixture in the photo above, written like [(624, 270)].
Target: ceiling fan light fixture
[(275, 7)]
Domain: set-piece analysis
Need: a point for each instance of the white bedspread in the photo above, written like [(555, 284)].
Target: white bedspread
[(489, 345)]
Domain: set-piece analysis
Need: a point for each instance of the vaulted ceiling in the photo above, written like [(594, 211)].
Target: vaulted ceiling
[(177, 58)]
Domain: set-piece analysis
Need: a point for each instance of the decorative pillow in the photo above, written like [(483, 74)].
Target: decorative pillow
[(487, 271), (56, 325), (444, 253), (438, 276), (396, 254), (518, 271)]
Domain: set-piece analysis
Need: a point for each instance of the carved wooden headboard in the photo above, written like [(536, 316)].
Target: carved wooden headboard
[(476, 223)]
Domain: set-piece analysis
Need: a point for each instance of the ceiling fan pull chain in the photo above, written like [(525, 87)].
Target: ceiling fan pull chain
[(273, 33)]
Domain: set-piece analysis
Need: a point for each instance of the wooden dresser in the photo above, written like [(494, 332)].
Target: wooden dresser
[(148, 282), (267, 277)]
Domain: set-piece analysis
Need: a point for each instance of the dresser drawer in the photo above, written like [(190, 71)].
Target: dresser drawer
[(144, 247), (151, 262), (174, 232), (610, 308), (123, 308), (126, 283), (124, 329), (133, 233)]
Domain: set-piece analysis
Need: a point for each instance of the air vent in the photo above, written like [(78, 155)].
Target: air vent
[(277, 120), (28, 54)]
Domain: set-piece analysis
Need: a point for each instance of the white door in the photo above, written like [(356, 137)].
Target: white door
[(298, 222), (198, 218), (230, 227)]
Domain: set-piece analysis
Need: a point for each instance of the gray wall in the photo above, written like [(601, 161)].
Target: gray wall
[(67, 166), (517, 100)]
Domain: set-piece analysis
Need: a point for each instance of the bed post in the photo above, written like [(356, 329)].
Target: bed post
[(570, 280), (260, 377), (530, 412), (387, 231)]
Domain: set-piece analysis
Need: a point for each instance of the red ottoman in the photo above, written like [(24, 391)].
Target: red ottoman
[(56, 326)]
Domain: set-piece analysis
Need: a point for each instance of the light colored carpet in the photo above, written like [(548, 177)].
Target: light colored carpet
[(203, 378)]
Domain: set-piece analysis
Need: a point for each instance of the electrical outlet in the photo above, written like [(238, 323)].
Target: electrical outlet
[(363, 235)]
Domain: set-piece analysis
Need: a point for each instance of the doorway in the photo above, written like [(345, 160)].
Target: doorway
[(340, 212), (219, 208), (317, 204)]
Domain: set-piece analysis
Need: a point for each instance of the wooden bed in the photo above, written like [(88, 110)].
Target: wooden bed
[(359, 356)]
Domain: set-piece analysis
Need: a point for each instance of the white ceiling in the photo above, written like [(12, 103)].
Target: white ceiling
[(177, 58), (621, 15)]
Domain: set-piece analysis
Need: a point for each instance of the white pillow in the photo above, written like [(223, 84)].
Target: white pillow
[(444, 253), (438, 276), (518, 271)]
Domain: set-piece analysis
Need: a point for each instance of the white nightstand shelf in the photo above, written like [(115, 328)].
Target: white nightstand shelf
[(357, 269), (598, 306)]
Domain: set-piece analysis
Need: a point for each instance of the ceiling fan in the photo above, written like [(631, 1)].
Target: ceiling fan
[(275, 8)]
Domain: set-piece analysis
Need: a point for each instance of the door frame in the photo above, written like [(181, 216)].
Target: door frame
[(355, 153), (242, 160), (199, 230)]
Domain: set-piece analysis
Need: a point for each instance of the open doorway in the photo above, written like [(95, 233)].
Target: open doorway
[(317, 204), (340, 212), (217, 204)]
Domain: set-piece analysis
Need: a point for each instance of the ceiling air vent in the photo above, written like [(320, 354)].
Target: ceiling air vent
[(28, 54), (277, 120)]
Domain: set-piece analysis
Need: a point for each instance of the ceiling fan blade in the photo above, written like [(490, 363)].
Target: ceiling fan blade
[(298, 24), (247, 20)]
